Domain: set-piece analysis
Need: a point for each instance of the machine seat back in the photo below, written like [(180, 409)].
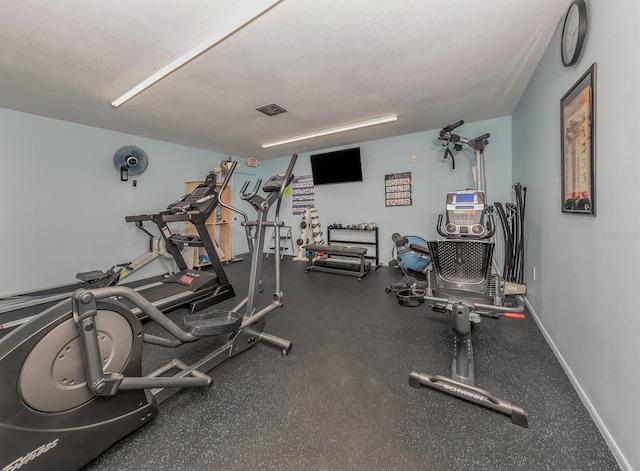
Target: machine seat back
[(462, 264)]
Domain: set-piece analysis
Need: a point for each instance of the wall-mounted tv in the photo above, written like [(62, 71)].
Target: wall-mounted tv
[(339, 166)]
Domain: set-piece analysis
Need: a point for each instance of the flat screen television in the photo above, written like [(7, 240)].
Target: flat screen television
[(339, 166)]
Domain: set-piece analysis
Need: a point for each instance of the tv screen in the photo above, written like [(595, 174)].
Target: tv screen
[(337, 167)]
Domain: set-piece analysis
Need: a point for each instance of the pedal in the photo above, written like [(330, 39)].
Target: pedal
[(440, 309), (214, 322), (410, 298), (92, 276)]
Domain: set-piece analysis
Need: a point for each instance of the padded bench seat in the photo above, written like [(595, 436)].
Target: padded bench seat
[(341, 267)]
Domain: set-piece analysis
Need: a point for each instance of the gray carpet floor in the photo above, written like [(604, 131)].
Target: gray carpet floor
[(340, 400)]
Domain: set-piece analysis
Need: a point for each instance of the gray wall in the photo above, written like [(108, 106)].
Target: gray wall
[(353, 203), (63, 204), (587, 268)]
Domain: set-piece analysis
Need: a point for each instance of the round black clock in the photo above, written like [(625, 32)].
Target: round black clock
[(573, 32)]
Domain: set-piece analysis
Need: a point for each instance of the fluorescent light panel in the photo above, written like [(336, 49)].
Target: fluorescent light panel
[(326, 132), (232, 24)]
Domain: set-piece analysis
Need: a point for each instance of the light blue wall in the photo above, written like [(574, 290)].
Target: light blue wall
[(587, 268), (68, 204), (353, 203), (63, 204)]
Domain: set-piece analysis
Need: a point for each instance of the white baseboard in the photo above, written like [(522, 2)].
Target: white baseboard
[(617, 453)]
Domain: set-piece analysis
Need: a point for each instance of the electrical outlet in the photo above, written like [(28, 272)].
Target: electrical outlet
[(413, 158), (533, 273)]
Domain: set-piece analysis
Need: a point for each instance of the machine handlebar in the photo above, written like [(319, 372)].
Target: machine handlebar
[(247, 196), (227, 177), (288, 174), (439, 227), (491, 225), (480, 142), (447, 129)]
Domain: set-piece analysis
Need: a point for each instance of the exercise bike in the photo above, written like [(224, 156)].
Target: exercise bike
[(71, 378), (462, 285)]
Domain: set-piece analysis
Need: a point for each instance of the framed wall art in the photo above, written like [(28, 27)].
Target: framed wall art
[(398, 189), (578, 123)]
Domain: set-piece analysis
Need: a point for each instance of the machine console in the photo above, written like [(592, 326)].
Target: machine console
[(203, 190), (274, 183), (465, 213)]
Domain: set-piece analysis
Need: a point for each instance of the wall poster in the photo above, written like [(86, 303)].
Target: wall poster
[(398, 189), (302, 194), (577, 116)]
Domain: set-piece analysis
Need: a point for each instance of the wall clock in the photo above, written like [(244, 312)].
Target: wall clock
[(573, 32)]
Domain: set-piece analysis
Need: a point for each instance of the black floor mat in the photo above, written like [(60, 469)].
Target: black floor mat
[(341, 399)]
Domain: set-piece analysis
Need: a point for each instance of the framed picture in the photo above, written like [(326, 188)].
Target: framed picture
[(577, 115)]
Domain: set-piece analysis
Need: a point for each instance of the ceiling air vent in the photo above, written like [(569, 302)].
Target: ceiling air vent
[(272, 109)]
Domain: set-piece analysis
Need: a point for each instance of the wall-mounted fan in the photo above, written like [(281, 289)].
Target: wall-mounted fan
[(130, 161), (224, 168)]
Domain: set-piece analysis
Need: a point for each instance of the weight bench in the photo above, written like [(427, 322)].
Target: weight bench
[(337, 265)]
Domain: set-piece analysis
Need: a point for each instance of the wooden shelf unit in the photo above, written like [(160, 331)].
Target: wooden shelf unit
[(219, 230)]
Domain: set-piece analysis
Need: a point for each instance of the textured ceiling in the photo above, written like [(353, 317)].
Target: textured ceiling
[(327, 62)]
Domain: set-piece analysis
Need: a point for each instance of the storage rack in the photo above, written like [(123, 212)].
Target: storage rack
[(336, 239)]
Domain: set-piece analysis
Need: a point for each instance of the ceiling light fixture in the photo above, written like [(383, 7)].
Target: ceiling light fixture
[(232, 24), (326, 132)]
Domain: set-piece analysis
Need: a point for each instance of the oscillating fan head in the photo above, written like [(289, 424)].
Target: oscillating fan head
[(132, 158)]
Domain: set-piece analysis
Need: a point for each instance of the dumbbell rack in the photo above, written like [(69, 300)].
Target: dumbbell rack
[(341, 237), (310, 220)]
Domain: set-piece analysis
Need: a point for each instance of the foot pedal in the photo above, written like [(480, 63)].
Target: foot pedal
[(214, 322), (410, 298), (92, 276)]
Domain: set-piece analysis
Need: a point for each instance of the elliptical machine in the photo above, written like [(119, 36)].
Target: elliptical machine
[(71, 378)]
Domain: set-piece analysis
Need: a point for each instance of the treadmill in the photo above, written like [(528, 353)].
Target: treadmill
[(196, 289)]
